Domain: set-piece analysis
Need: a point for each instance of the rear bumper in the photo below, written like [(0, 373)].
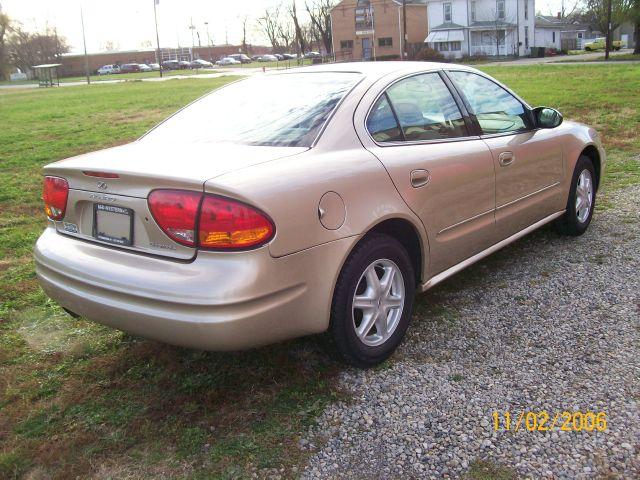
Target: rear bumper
[(219, 301)]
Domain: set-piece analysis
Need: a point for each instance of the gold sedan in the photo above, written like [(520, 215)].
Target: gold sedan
[(318, 199)]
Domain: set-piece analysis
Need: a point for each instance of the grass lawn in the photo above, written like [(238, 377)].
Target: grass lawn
[(621, 57), (78, 399)]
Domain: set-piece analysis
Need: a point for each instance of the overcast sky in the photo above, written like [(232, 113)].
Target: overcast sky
[(128, 24)]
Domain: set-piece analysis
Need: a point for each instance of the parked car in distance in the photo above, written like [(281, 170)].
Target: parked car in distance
[(600, 43), (268, 58), (289, 56), (227, 61), (255, 58), (171, 65), (108, 69), (130, 68), (278, 56), (241, 57), (154, 66), (184, 65), (312, 55), (200, 63), (389, 178), (144, 67)]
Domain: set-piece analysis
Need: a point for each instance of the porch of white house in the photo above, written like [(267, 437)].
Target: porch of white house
[(493, 43)]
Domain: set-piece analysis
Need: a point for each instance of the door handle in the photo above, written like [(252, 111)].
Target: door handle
[(420, 178), (506, 158)]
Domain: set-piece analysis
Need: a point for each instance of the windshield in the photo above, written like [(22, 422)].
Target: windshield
[(280, 110)]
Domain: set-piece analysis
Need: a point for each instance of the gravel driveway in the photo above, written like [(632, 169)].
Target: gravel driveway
[(549, 323)]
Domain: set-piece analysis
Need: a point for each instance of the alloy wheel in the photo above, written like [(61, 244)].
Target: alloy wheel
[(378, 302), (584, 196)]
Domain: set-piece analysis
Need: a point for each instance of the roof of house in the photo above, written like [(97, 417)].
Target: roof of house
[(549, 21), (492, 24), (447, 26)]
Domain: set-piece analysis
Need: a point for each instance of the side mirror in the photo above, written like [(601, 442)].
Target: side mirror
[(547, 117)]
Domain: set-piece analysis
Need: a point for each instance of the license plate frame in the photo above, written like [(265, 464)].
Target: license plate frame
[(122, 241)]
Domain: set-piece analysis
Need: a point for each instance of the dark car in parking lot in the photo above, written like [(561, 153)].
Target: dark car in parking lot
[(130, 68), (241, 57)]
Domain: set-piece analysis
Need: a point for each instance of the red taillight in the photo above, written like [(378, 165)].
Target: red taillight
[(223, 224), (175, 211), (55, 191), (228, 224)]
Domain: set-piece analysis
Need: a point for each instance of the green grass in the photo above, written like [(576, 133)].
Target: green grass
[(620, 57), (77, 398), (486, 470)]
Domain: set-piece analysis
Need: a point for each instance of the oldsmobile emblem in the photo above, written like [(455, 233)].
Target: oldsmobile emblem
[(102, 185)]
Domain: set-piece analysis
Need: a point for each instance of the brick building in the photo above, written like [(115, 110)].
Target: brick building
[(367, 29), (74, 64)]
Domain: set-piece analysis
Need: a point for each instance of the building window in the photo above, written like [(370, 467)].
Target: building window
[(500, 9), (526, 9), (473, 11), (364, 16), (346, 44), (447, 11), (553, 37), (526, 36), (455, 46), (443, 46), (385, 42)]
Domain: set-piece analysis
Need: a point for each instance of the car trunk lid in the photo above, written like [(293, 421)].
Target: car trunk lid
[(108, 189)]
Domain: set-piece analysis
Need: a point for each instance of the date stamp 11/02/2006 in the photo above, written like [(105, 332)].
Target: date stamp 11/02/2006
[(542, 421)]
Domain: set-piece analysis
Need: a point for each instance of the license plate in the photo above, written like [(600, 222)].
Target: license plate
[(113, 224)]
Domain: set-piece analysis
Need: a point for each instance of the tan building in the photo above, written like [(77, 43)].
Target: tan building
[(367, 29)]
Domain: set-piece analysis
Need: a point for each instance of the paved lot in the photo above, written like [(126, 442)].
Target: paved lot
[(549, 323)]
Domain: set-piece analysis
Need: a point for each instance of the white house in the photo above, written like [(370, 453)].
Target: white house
[(481, 27), (553, 32)]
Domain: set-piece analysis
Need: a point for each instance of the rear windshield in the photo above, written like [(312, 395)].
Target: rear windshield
[(279, 110)]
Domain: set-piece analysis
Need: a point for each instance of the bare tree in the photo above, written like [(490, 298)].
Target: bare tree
[(245, 20), (270, 24), (320, 14), (567, 9), (301, 44), (26, 49), (5, 24)]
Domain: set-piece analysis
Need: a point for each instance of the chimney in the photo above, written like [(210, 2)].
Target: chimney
[(559, 15)]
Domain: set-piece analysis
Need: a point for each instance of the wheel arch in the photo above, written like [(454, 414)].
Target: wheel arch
[(592, 152), (405, 232)]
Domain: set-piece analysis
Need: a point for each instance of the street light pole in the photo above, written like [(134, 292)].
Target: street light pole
[(404, 29), (84, 42), (155, 17)]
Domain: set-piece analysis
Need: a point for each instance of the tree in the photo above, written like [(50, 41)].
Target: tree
[(596, 11), (635, 15), (300, 40), (320, 14), (245, 19), (270, 24), (5, 24), (27, 49)]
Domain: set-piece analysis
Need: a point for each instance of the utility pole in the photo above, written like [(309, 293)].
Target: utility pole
[(155, 18), (607, 42), (84, 42), (192, 27), (404, 29), (206, 24)]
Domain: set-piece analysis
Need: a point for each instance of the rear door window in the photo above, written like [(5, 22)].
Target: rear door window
[(426, 109)]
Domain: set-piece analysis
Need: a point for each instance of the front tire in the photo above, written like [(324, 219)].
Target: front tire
[(372, 301), (582, 199)]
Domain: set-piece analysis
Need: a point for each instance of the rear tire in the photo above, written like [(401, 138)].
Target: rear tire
[(372, 301), (582, 199)]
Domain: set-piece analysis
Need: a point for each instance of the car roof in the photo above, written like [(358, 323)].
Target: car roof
[(379, 69)]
